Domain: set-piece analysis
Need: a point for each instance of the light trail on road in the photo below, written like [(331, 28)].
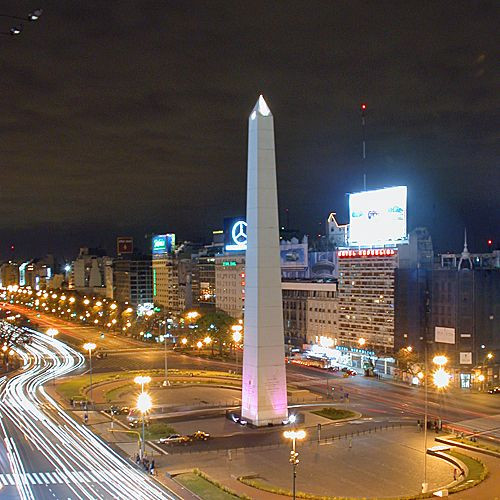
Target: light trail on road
[(71, 461)]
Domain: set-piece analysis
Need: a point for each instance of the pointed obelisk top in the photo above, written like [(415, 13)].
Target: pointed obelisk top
[(261, 107)]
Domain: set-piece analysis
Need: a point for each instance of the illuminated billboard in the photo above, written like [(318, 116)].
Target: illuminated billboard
[(235, 234), (163, 243), (377, 217), (293, 256)]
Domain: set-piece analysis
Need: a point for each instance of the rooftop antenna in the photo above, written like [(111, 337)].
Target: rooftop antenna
[(363, 129)]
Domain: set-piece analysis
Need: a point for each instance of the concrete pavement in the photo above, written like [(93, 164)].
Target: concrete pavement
[(376, 465)]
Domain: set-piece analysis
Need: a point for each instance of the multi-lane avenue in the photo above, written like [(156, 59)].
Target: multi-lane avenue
[(46, 453)]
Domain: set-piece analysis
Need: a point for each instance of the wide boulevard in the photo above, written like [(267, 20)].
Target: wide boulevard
[(46, 453)]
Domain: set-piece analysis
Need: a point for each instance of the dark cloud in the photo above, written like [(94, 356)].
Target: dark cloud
[(131, 116)]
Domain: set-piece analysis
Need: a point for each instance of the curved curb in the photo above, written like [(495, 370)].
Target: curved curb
[(468, 447)]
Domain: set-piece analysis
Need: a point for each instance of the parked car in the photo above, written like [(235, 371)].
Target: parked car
[(112, 410), (494, 390), (200, 436), (124, 410), (174, 439)]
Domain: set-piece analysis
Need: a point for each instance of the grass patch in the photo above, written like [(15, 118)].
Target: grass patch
[(264, 486), (203, 487), (157, 430), (477, 471), (480, 445), (334, 413), (113, 394)]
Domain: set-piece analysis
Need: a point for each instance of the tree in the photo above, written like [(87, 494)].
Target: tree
[(408, 361), (217, 325)]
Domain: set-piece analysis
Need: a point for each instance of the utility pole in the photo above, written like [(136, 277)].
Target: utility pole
[(363, 130)]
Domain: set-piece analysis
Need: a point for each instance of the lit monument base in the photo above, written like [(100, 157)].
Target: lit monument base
[(264, 399)]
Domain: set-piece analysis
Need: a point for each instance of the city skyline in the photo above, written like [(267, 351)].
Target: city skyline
[(113, 116)]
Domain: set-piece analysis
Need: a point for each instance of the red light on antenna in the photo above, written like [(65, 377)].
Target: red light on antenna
[(363, 107), (12, 247), (490, 242)]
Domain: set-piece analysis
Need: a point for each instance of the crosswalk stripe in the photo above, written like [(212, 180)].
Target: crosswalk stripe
[(58, 479), (44, 478), (37, 479), (51, 477)]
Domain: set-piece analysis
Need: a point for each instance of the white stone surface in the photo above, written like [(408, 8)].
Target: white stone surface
[(264, 398)]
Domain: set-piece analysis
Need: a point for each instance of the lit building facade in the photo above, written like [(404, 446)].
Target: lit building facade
[(88, 271), (230, 284), (9, 274), (310, 312), (133, 279), (366, 297)]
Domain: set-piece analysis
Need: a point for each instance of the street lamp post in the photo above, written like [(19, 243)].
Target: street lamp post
[(142, 380), (143, 405), (441, 379), (90, 346), (294, 456), (237, 336)]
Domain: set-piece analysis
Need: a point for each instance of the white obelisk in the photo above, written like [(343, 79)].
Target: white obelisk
[(264, 398)]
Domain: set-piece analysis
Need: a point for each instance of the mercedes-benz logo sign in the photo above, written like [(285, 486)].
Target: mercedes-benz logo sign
[(239, 233)]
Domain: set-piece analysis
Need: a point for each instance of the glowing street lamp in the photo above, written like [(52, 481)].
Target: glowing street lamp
[(441, 378), (90, 346), (361, 341), (144, 405), (199, 344), (237, 336), (207, 340), (184, 341), (440, 360), (294, 435), (142, 380)]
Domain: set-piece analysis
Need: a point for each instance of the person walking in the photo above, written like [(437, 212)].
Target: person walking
[(152, 467)]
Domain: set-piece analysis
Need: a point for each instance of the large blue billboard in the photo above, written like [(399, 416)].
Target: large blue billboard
[(163, 243)]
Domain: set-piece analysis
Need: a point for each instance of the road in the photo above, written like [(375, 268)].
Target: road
[(46, 453), (372, 397), (73, 333)]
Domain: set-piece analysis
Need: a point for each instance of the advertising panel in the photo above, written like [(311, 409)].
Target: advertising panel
[(235, 234), (124, 245), (444, 335), (377, 217), (466, 358), (163, 243), (293, 256)]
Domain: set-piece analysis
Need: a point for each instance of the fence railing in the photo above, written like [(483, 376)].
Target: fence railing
[(311, 440)]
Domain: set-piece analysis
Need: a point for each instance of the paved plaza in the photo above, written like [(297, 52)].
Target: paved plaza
[(383, 464)]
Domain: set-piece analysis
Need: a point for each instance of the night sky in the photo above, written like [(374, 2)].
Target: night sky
[(128, 117)]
